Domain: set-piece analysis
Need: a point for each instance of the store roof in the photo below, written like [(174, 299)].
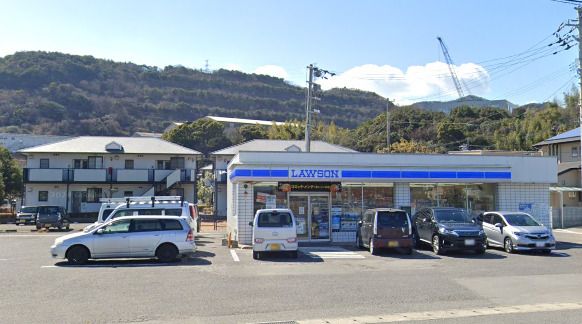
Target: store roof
[(569, 136), (565, 189), (264, 145), (107, 144)]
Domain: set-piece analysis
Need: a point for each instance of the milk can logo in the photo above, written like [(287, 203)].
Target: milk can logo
[(314, 173)]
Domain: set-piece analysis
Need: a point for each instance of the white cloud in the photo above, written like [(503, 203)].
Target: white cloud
[(272, 70), (419, 83)]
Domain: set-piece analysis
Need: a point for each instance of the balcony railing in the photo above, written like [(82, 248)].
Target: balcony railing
[(32, 175)]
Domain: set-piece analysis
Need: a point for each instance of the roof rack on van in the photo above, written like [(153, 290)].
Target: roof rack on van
[(153, 199)]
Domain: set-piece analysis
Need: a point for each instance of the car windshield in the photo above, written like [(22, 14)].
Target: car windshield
[(521, 220), (48, 210), (392, 219), (452, 216), (28, 210), (275, 219)]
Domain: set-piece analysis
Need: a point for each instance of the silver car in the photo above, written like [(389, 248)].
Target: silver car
[(517, 231), (164, 237)]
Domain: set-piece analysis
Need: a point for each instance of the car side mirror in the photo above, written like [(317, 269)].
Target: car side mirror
[(99, 231), (499, 225), (251, 224)]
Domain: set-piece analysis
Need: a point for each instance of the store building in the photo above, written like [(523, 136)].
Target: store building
[(222, 157), (328, 192)]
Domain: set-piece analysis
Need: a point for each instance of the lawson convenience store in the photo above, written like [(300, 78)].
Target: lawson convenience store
[(328, 192)]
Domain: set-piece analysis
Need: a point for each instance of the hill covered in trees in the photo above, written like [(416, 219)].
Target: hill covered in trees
[(55, 93)]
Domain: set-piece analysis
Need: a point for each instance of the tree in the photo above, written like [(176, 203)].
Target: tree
[(11, 180), (291, 130), (251, 132), (203, 135), (405, 146), (205, 189)]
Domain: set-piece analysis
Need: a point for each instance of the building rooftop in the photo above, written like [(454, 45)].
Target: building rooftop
[(15, 142), (108, 144), (244, 121), (265, 145), (569, 136), (496, 153)]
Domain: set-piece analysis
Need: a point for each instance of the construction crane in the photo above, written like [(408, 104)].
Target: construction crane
[(451, 68)]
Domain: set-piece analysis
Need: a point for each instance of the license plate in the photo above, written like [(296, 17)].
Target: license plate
[(540, 244), (275, 247), (392, 243), (470, 242)]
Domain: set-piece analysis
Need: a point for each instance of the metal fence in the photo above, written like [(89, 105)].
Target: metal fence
[(572, 217)]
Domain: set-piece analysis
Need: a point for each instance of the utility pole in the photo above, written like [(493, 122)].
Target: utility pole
[(313, 72), (388, 124), (579, 25), (310, 69), (579, 9)]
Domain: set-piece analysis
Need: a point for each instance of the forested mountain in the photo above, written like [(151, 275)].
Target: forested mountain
[(471, 101), (55, 93)]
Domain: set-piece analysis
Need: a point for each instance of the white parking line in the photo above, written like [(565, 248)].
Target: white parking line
[(3, 259), (330, 253), (29, 235), (451, 313), (51, 266), (567, 231), (234, 256)]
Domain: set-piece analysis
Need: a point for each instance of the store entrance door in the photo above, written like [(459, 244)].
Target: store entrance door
[(312, 215)]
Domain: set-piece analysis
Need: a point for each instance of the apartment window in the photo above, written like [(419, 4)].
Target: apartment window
[(95, 162), (43, 196), (44, 163), (177, 163), (80, 164), (94, 194), (129, 164), (128, 194), (163, 165)]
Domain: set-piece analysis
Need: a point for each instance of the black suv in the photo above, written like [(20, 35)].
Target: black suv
[(446, 228)]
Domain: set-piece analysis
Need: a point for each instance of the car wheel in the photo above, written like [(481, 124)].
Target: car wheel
[(78, 255), (436, 245), (167, 253), (360, 243), (508, 245), (256, 255), (417, 241), (373, 250), (38, 227), (409, 251)]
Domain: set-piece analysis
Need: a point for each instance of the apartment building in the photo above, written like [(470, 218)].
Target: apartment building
[(75, 173)]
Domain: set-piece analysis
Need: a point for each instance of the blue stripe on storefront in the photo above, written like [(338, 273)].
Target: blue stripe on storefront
[(442, 174), (364, 174), (497, 175), (280, 173), (385, 174), (356, 174)]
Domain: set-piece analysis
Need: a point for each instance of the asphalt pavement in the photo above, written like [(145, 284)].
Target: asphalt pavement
[(330, 284)]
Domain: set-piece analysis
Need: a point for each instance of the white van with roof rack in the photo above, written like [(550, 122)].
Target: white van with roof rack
[(147, 206)]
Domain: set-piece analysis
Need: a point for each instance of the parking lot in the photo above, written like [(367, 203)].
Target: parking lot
[(326, 283)]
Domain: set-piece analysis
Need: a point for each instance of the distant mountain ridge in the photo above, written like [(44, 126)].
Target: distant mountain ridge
[(62, 94), (471, 101)]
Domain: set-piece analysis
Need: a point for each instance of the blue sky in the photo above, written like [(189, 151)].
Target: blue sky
[(385, 46)]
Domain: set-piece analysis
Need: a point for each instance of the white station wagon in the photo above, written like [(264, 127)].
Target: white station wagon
[(163, 237)]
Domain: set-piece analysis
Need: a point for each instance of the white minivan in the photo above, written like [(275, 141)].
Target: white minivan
[(274, 230)]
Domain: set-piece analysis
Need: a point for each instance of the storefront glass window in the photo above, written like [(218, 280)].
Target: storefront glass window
[(475, 198), (266, 195), (378, 197)]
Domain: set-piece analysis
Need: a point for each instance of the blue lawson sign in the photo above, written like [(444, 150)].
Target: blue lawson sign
[(321, 174), (314, 173)]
